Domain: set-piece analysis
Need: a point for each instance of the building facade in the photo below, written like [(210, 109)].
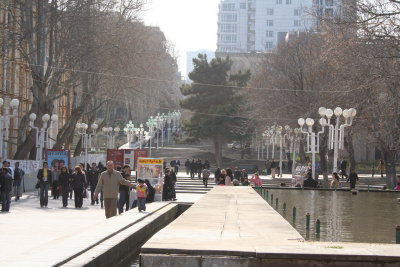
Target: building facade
[(260, 25)]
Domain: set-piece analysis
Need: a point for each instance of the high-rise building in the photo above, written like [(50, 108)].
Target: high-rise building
[(260, 25)]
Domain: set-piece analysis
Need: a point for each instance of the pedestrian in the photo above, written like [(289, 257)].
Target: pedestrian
[(255, 179), (206, 174), (177, 165), (173, 179), (70, 171), (335, 181), (64, 182), (109, 182), (6, 185), (372, 171), (141, 193), (222, 178), (45, 180), (172, 164), (397, 187), (268, 167), (353, 178), (124, 190), (273, 168), (228, 177), (79, 185), (244, 175), (309, 182), (381, 167), (246, 181), (55, 173), (199, 168), (92, 179), (343, 169), (151, 192), (187, 165), (217, 175), (237, 174), (193, 168), (167, 193), (6, 164), (207, 164), (18, 181)]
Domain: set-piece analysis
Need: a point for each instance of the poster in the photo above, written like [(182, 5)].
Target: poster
[(129, 158), (139, 153), (117, 156), (152, 170), (54, 155)]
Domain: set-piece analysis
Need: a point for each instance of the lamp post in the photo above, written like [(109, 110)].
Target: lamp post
[(10, 110), (42, 134), (312, 138), (168, 118), (295, 139), (140, 134), (336, 132), (86, 138), (130, 132), (151, 123), (110, 134), (160, 125)]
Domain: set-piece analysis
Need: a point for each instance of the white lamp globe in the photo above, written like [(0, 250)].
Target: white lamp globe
[(32, 116), (14, 103), (300, 122), (94, 126), (309, 122), (346, 113), (323, 122), (54, 118), (338, 111), (84, 126), (329, 113), (322, 111), (117, 129), (46, 117), (353, 112)]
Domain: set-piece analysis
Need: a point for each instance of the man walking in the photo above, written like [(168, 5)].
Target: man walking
[(93, 178), (124, 190), (18, 178), (273, 168), (187, 165), (206, 175), (6, 182), (109, 182)]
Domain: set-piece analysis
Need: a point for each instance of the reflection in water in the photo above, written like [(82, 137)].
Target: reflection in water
[(369, 217)]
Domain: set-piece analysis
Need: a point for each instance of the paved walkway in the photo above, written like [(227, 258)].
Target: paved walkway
[(28, 229)]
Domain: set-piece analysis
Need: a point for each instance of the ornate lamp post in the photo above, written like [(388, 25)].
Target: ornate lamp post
[(42, 134), (10, 110), (336, 132), (140, 134), (110, 134), (312, 138), (86, 137), (169, 120), (295, 141), (130, 132), (151, 123)]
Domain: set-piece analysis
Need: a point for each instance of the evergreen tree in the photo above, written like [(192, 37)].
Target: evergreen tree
[(215, 99)]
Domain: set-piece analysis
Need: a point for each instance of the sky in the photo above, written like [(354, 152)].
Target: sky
[(188, 24)]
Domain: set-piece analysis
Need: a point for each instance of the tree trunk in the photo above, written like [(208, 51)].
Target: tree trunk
[(323, 149)]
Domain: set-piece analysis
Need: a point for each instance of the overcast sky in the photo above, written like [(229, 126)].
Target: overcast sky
[(188, 24)]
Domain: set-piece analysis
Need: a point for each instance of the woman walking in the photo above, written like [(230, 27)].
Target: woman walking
[(44, 176), (381, 167), (64, 180), (79, 185), (256, 180)]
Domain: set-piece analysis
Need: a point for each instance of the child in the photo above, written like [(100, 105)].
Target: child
[(141, 194), (372, 171)]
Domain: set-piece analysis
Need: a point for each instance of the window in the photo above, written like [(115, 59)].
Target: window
[(270, 34), (228, 27), (270, 11), (296, 12), (228, 7), (228, 17), (270, 23), (269, 45), (228, 38), (297, 23), (329, 2), (242, 5), (279, 2), (288, 2)]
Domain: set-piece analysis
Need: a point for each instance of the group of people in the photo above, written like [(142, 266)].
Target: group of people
[(196, 167), (236, 177), (11, 183)]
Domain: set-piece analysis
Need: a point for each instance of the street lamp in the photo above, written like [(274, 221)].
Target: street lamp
[(110, 134), (151, 123), (160, 125), (42, 134), (295, 138), (130, 132), (86, 138), (312, 138), (169, 120), (10, 110), (336, 132), (140, 134)]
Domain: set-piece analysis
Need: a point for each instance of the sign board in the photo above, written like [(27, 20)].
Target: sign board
[(53, 156), (139, 153), (129, 158), (152, 170), (117, 156)]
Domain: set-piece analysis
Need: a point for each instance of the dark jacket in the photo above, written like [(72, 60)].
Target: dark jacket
[(353, 177), (6, 182), (64, 179), (124, 187), (40, 176), (18, 175), (78, 181), (93, 177), (310, 182)]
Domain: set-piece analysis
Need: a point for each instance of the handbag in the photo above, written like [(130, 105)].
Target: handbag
[(85, 193), (37, 186)]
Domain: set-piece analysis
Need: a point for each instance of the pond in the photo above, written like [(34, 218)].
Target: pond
[(369, 217)]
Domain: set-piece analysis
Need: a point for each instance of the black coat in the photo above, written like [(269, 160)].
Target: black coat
[(49, 177), (78, 181), (64, 179), (93, 177), (6, 182)]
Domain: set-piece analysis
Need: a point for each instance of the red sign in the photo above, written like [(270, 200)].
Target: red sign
[(117, 156), (140, 153)]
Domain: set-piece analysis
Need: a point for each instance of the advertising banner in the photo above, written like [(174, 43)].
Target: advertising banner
[(54, 156), (139, 153), (117, 156), (129, 158), (152, 170)]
